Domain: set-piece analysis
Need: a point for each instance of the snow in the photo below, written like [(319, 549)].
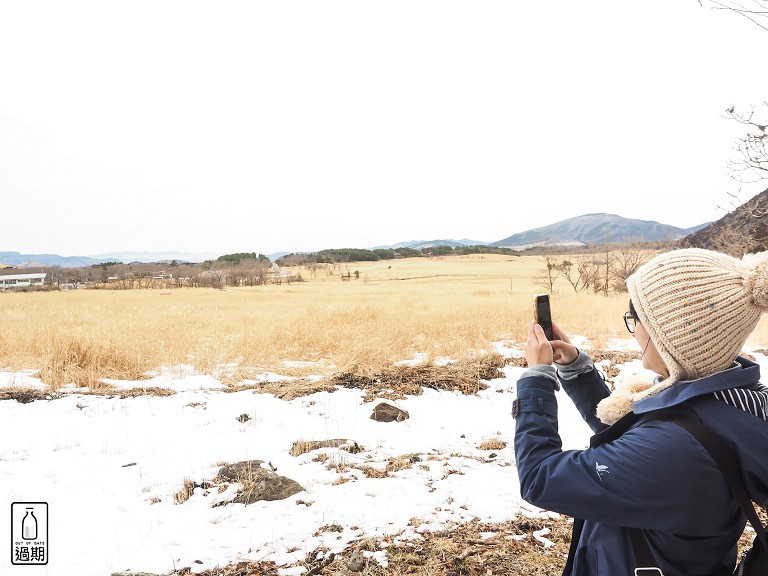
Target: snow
[(109, 467)]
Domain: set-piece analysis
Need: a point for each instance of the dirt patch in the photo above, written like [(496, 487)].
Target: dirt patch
[(135, 392), (493, 444), (283, 389), (517, 361), (397, 382), (300, 447), (471, 549), (258, 568), (613, 356), (27, 395)]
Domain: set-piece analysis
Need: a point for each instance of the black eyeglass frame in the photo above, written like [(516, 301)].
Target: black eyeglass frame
[(630, 318), (630, 321)]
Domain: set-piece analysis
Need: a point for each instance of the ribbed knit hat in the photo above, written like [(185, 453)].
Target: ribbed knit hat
[(698, 307)]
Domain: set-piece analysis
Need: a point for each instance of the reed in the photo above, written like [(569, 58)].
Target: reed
[(443, 307)]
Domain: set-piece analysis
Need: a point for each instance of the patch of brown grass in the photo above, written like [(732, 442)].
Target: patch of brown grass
[(186, 491), (399, 381), (400, 463), (466, 550), (471, 549), (493, 444), (26, 395), (282, 389), (257, 568), (613, 356), (151, 391), (84, 363), (371, 472), (303, 446)]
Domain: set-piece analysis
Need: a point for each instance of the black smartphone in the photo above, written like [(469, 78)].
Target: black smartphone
[(543, 315)]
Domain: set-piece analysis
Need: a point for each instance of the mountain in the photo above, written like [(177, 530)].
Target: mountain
[(598, 228), (18, 259), (419, 244), (150, 257), (741, 231)]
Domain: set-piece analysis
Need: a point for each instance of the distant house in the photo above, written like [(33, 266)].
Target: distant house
[(13, 278)]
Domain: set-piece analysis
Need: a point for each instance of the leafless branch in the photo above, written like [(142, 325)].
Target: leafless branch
[(752, 162), (756, 11)]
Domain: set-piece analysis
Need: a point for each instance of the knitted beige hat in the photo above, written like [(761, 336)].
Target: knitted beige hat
[(698, 308)]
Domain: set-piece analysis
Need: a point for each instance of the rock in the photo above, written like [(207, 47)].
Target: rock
[(243, 418), (258, 483), (384, 412), (356, 561)]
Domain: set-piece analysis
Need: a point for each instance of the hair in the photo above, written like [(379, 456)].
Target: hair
[(633, 311)]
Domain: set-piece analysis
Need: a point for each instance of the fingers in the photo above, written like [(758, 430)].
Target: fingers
[(537, 349), (563, 352), (558, 333)]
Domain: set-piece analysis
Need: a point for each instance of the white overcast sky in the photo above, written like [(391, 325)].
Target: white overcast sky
[(290, 125)]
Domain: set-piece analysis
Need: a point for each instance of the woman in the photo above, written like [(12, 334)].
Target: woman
[(691, 312)]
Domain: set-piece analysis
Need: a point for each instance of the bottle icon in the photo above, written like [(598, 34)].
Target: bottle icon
[(29, 525)]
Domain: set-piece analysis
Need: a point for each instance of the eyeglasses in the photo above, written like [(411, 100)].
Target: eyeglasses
[(630, 321)]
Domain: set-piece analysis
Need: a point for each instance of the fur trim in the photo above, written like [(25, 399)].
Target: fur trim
[(619, 403)]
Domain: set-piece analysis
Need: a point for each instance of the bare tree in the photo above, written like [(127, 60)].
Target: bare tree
[(547, 277), (604, 266), (626, 261), (751, 164), (744, 230), (756, 11), (577, 274)]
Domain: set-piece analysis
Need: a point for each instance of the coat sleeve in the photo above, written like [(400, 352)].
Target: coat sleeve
[(634, 481), (586, 391)]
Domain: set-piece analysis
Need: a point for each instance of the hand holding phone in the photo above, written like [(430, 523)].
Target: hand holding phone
[(542, 314)]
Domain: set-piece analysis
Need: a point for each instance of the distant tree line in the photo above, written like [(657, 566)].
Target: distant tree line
[(336, 256), (238, 257)]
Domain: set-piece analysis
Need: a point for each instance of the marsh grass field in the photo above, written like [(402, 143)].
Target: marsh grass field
[(387, 311)]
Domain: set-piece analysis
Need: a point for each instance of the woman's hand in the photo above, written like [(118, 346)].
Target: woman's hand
[(539, 350), (563, 351)]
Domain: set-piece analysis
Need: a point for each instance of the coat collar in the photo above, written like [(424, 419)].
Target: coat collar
[(743, 374)]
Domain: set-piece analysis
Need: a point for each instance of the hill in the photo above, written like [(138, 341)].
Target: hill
[(421, 244), (598, 228), (18, 259), (152, 257), (739, 232)]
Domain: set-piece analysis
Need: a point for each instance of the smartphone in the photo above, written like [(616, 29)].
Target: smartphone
[(543, 315)]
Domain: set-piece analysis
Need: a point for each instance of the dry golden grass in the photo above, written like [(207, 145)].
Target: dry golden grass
[(186, 491), (471, 549), (453, 306), (493, 444)]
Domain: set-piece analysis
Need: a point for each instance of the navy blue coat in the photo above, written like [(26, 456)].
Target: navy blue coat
[(656, 476)]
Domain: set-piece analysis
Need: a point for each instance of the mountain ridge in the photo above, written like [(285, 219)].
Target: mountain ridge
[(579, 230), (596, 228), (741, 231)]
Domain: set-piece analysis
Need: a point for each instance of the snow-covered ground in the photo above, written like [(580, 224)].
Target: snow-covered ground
[(109, 468)]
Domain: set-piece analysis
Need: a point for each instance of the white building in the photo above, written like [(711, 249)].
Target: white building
[(13, 279)]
